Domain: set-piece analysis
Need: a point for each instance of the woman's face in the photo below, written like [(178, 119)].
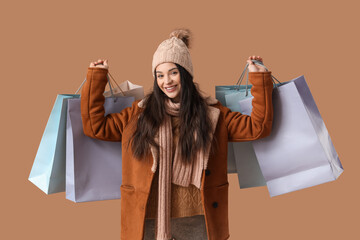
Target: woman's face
[(168, 80)]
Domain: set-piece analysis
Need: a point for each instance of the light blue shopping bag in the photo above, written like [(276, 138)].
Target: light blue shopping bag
[(48, 170)]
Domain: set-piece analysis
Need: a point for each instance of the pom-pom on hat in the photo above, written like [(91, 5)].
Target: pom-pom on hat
[(174, 49)]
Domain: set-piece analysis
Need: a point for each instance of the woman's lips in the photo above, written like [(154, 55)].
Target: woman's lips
[(170, 89)]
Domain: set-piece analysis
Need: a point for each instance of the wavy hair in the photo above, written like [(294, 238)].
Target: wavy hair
[(193, 119)]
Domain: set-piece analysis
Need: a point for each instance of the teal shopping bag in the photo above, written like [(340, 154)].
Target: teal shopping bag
[(241, 156), (230, 92), (48, 170)]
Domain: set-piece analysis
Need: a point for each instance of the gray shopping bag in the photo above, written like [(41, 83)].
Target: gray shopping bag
[(221, 92), (93, 167), (247, 166), (299, 152)]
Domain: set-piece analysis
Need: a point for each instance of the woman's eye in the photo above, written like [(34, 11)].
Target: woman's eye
[(159, 76), (174, 72)]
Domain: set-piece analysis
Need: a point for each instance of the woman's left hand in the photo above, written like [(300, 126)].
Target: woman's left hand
[(253, 67), (101, 63)]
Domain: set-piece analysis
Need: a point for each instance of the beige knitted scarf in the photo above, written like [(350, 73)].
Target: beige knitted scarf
[(182, 174)]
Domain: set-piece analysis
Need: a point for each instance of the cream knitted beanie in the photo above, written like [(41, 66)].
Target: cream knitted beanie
[(175, 50)]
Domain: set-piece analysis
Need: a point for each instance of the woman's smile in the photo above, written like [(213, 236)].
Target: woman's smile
[(170, 89), (168, 80)]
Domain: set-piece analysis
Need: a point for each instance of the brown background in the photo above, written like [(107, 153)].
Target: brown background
[(46, 47)]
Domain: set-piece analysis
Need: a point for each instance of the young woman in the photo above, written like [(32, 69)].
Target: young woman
[(174, 145)]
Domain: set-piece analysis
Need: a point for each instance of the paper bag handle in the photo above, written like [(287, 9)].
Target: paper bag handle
[(259, 63), (111, 91)]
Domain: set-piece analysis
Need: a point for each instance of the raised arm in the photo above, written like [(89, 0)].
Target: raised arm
[(95, 124), (246, 128)]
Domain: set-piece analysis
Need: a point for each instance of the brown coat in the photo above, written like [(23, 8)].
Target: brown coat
[(137, 176)]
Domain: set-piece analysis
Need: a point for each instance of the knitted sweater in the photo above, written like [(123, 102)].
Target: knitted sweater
[(185, 201)]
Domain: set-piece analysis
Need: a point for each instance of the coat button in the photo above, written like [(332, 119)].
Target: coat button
[(215, 204), (207, 172)]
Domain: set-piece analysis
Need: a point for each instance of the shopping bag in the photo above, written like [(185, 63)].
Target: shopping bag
[(299, 152), (93, 167), (48, 169), (220, 92), (241, 156), (126, 88)]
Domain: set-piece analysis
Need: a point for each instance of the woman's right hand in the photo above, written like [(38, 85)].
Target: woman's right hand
[(101, 63)]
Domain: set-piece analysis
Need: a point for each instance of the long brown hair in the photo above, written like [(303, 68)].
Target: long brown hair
[(193, 118)]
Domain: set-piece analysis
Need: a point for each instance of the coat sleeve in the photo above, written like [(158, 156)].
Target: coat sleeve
[(95, 124), (242, 127)]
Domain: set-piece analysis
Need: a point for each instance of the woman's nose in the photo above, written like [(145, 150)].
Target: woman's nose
[(168, 79)]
